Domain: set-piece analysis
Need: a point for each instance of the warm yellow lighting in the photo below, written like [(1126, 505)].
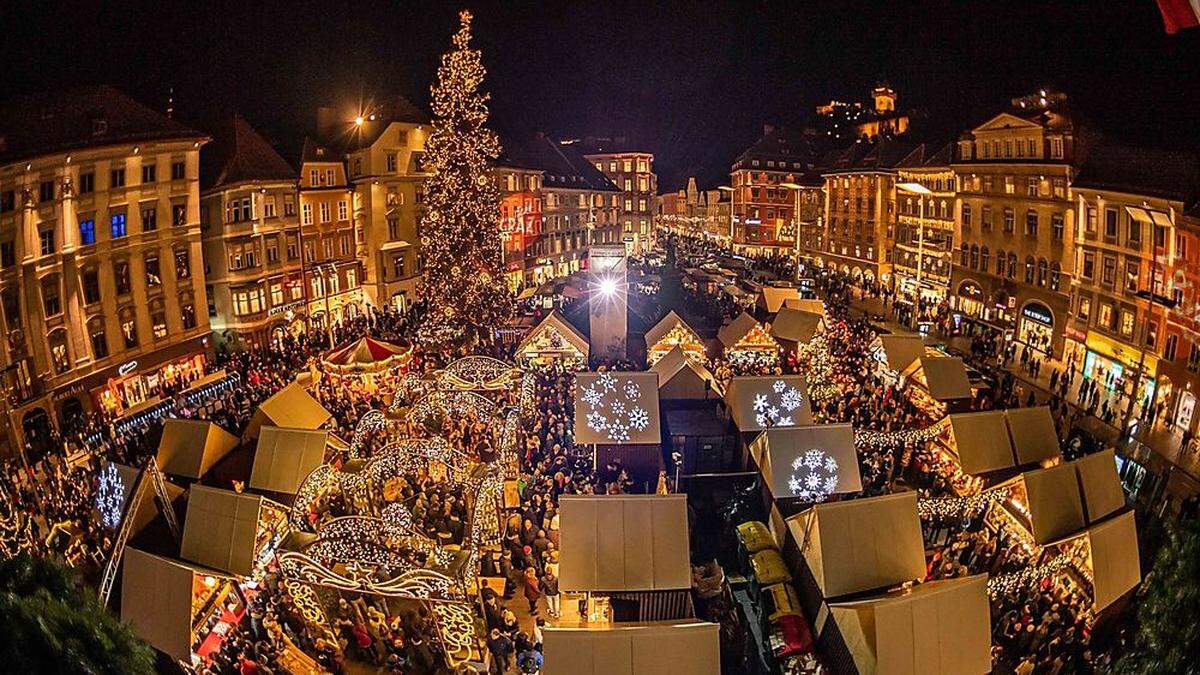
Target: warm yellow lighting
[(358, 121)]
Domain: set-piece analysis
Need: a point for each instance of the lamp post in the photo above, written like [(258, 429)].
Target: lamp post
[(922, 192), (795, 188)]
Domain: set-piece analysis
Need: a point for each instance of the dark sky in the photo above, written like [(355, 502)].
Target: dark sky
[(693, 81)]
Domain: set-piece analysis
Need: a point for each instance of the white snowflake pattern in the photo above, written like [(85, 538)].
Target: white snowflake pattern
[(639, 419), (814, 476), (615, 409), (760, 402), (591, 396), (632, 391), (597, 421), (770, 408), (607, 381), (779, 386), (791, 399)]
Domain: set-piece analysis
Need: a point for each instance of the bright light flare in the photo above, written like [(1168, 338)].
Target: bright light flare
[(608, 286)]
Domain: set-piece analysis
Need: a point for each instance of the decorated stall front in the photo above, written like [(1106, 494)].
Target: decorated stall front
[(795, 327), (648, 648), (554, 341), (942, 385), (291, 407), (1046, 503), (189, 448), (897, 352), (747, 346), (758, 403), (682, 378), (1104, 559), (285, 457), (672, 332), (936, 628), (809, 463)]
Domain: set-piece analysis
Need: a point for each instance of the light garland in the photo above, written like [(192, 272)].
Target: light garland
[(478, 373), (950, 507), (1007, 583)]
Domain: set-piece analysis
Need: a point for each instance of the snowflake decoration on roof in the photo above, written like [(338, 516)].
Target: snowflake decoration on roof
[(616, 407), (814, 476), (776, 408), (110, 496)]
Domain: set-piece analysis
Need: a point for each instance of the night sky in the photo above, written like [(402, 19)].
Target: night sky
[(693, 82)]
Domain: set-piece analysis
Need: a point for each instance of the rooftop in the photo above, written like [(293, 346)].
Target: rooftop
[(1150, 172), (239, 154), (561, 165)]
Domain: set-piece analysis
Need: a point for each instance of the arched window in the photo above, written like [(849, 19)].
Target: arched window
[(1029, 270), (1055, 276), (1012, 265), (1041, 272), (58, 350), (983, 259), (965, 255), (129, 327), (96, 335), (51, 299), (974, 257)]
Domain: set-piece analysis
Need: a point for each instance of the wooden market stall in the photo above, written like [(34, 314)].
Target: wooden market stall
[(941, 383), (795, 327), (291, 407), (553, 341), (979, 441), (645, 648), (680, 377), (1034, 437), (229, 531), (813, 305), (1046, 503), (808, 463), (758, 403), (672, 332), (283, 458), (772, 298), (898, 352), (746, 343), (189, 448), (115, 489), (1104, 559)]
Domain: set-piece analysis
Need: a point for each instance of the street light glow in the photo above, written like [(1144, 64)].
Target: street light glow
[(608, 286)]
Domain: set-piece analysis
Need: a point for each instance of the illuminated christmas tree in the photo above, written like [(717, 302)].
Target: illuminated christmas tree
[(460, 233)]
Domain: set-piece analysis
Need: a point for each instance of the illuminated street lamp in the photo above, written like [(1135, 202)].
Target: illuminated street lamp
[(922, 192)]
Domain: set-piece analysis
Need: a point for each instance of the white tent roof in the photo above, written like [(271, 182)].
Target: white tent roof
[(634, 649), (660, 329), (285, 457), (291, 407), (1033, 434), (945, 377), (617, 407), (758, 403), (156, 600), (778, 451), (734, 331), (932, 628), (980, 439), (556, 324), (902, 350), (624, 543), (773, 297), (861, 544), (795, 325), (813, 305), (681, 378), (1099, 484), (189, 448), (220, 528), (1055, 507), (1116, 566)]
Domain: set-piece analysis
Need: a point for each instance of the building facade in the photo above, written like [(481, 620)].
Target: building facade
[(1178, 374), (926, 204), (330, 241), (632, 171), (764, 206), (249, 228), (692, 212), (521, 222), (102, 284), (842, 122), (1016, 223)]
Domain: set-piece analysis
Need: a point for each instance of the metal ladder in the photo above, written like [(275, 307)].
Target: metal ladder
[(128, 516)]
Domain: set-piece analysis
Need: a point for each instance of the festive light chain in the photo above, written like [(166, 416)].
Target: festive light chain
[(478, 372), (439, 404), (1023, 578), (957, 506), (877, 440), (110, 496)]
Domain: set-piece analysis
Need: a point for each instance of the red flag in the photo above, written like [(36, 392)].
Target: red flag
[(1179, 14)]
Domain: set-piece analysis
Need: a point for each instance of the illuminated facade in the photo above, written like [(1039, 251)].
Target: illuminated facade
[(842, 121), (693, 212), (1015, 227), (632, 172), (934, 213), (331, 242), (1178, 375), (102, 283), (249, 228), (520, 223), (764, 208)]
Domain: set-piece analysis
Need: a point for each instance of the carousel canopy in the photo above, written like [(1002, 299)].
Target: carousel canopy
[(980, 441), (624, 543), (285, 457), (1033, 434), (366, 355), (902, 350), (741, 334), (1099, 484), (189, 448), (1054, 503), (861, 544), (758, 403), (681, 378), (945, 377), (220, 529), (931, 628), (810, 463), (553, 334), (795, 326), (156, 600), (617, 408), (774, 297), (652, 648), (291, 407)]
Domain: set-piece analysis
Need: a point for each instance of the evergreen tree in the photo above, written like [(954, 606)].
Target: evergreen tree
[(1168, 637), (460, 237)]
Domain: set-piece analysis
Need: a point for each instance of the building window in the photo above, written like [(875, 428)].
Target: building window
[(1171, 346), (183, 264), (1106, 315), (87, 183), (1132, 272), (1088, 269), (1055, 277), (1031, 223), (1193, 363), (1000, 261), (1109, 271), (276, 295), (1090, 220), (247, 301), (1029, 270), (116, 178), (974, 257), (1127, 319), (393, 225), (986, 221), (149, 173), (293, 249), (91, 286), (391, 162), (1056, 226), (117, 225), (1031, 186), (8, 254), (306, 214), (58, 351), (289, 206), (329, 176), (343, 210), (87, 231), (1042, 269), (1010, 221), (178, 170), (324, 206), (159, 321), (149, 219), (964, 255), (983, 259), (153, 274), (50, 298), (398, 267), (129, 331), (966, 216), (46, 241), (269, 206), (1085, 309), (99, 341), (272, 251), (121, 276), (187, 313), (1110, 223)]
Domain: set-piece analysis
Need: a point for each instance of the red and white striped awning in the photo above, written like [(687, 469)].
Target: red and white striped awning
[(367, 355)]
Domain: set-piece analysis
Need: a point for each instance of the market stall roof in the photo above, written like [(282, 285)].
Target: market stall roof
[(1099, 484), (795, 325), (220, 529), (668, 322), (681, 378), (617, 407), (189, 448), (291, 407), (774, 297), (156, 600), (945, 377), (1116, 566), (809, 463), (1033, 434), (733, 332), (861, 544), (813, 305), (651, 648), (1055, 507), (554, 326), (285, 457), (980, 441), (758, 403), (931, 628), (734, 290), (624, 543), (366, 355), (902, 350)]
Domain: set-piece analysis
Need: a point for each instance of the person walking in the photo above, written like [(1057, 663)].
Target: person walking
[(532, 590), (549, 587)]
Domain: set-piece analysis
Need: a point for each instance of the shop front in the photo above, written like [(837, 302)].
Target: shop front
[(1114, 366), (1178, 391), (1035, 326), (140, 382)]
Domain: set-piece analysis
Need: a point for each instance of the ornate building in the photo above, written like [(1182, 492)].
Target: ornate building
[(763, 203), (331, 242), (632, 171), (101, 280), (521, 222), (1016, 223), (693, 212), (925, 202), (1178, 375)]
